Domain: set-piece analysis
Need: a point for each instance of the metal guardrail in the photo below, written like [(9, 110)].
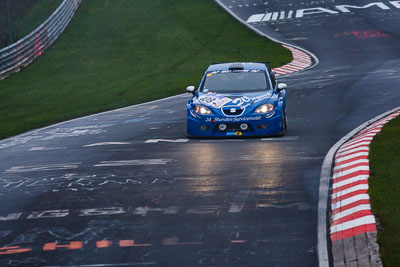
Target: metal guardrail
[(26, 50)]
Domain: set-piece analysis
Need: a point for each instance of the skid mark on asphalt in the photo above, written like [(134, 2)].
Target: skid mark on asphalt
[(123, 149), (299, 206), (186, 140), (285, 138), (220, 141), (164, 121)]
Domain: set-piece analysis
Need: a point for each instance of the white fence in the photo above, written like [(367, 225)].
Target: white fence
[(23, 52)]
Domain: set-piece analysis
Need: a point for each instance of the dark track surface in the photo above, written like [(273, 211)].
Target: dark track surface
[(248, 202)]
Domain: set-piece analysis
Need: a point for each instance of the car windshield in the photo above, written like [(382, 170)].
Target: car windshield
[(231, 82)]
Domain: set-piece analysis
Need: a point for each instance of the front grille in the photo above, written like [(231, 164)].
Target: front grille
[(232, 111)]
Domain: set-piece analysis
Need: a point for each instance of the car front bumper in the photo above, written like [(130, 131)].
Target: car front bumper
[(257, 125)]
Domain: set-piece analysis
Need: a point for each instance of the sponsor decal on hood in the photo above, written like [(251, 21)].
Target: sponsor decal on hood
[(220, 100), (244, 119), (214, 100)]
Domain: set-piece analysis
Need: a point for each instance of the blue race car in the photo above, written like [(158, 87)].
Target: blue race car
[(237, 99)]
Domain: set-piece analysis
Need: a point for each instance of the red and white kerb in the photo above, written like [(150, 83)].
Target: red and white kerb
[(351, 209), (301, 60)]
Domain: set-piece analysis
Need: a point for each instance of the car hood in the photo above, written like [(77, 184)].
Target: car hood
[(217, 101)]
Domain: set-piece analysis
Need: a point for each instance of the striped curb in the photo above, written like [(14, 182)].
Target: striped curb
[(352, 224), (301, 61)]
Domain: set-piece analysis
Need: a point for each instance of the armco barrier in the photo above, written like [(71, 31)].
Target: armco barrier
[(23, 52)]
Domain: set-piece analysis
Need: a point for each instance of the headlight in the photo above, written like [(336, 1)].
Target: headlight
[(265, 108), (202, 110)]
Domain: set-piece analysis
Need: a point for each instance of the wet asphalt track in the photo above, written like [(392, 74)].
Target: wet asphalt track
[(111, 194)]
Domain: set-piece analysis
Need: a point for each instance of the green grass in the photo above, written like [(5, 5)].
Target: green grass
[(119, 53), (36, 16), (385, 190), (26, 15)]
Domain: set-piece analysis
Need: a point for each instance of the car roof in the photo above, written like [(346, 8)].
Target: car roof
[(246, 66)]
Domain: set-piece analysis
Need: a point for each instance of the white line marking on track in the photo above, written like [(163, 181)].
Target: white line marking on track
[(285, 138), (298, 38), (51, 167), (107, 144), (137, 162), (153, 141), (41, 148), (236, 208)]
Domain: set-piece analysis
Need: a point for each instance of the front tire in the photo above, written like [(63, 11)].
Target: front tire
[(284, 125)]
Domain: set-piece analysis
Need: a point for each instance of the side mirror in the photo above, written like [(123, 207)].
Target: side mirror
[(282, 86), (190, 89)]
